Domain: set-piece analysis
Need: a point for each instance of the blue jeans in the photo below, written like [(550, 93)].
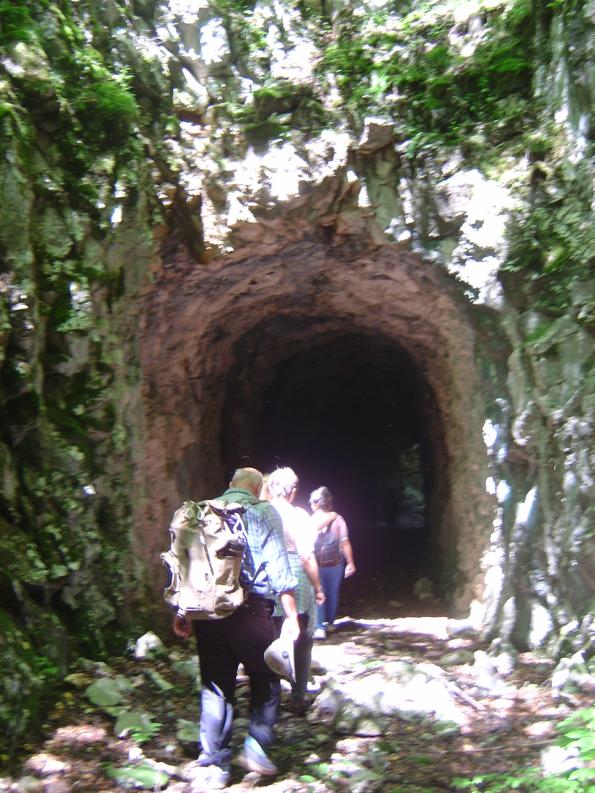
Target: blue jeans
[(330, 580)]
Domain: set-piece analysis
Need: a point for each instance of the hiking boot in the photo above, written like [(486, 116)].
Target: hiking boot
[(320, 633), (254, 758)]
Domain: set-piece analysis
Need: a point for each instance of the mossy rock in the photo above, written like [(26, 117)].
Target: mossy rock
[(26, 678)]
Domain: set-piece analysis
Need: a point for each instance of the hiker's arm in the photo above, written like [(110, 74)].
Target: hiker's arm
[(290, 626), (320, 520), (348, 552), (311, 567)]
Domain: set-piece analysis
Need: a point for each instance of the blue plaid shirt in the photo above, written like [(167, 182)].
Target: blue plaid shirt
[(265, 568)]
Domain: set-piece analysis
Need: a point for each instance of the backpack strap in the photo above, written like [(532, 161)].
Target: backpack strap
[(331, 527), (262, 566)]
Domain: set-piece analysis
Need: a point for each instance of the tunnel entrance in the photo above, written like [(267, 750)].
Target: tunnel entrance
[(350, 413), (355, 364)]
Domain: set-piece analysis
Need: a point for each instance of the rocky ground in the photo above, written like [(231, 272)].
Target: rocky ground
[(132, 723)]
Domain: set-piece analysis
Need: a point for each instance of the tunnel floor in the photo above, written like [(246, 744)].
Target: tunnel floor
[(391, 592)]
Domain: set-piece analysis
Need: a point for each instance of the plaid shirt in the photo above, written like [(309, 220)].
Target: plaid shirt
[(265, 568)]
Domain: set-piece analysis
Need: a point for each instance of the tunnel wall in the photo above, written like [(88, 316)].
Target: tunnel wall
[(206, 330)]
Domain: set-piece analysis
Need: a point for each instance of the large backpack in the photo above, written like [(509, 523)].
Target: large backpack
[(327, 548), (208, 541)]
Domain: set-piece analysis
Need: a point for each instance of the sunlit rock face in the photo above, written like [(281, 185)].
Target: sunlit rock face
[(449, 213)]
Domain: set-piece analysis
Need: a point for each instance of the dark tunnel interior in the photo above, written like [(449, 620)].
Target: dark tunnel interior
[(351, 413)]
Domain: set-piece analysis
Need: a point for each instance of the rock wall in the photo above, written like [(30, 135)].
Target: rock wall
[(76, 242)]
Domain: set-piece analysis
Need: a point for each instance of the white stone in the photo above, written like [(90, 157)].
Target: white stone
[(525, 510), (557, 759), (214, 46), (541, 625), (238, 212), (147, 644)]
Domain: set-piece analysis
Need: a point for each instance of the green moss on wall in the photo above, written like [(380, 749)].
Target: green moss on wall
[(551, 257), (278, 108), (73, 136), (17, 23), (26, 680), (415, 71)]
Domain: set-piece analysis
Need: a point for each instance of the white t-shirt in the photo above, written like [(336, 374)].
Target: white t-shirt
[(300, 535)]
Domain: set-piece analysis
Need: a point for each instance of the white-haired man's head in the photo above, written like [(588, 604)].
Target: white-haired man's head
[(282, 483)]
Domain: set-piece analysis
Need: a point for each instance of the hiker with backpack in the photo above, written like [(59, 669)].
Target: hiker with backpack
[(245, 632), (334, 555), (282, 487)]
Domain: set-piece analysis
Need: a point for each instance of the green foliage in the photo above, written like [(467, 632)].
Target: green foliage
[(140, 775), (15, 22), (21, 557), (136, 724), (72, 132), (522, 780), (576, 732), (436, 94), (103, 104), (92, 109), (246, 38), (235, 6), (552, 242), (26, 679), (187, 731), (276, 109)]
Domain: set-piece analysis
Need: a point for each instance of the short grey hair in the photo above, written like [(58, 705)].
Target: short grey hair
[(281, 482), (322, 497)]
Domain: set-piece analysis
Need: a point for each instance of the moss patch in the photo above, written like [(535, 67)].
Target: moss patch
[(438, 93)]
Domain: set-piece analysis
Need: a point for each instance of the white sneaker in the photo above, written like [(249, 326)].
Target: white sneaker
[(320, 633), (254, 758), (204, 779)]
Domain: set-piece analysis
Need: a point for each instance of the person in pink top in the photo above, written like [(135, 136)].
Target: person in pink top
[(334, 556)]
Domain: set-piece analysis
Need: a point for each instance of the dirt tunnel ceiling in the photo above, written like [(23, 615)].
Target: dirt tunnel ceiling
[(356, 370)]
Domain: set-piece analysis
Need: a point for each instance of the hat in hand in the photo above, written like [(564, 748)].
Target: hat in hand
[(279, 657)]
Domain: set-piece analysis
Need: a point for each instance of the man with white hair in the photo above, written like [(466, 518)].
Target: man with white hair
[(243, 637), (300, 536)]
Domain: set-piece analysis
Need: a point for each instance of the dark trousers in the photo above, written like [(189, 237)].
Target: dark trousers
[(302, 651), (222, 645)]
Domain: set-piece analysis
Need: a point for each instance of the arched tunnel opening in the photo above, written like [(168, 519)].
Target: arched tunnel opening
[(351, 411), (358, 371)]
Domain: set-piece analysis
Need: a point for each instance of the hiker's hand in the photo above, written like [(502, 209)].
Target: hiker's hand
[(291, 628), (320, 597), (182, 626), (349, 570)]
